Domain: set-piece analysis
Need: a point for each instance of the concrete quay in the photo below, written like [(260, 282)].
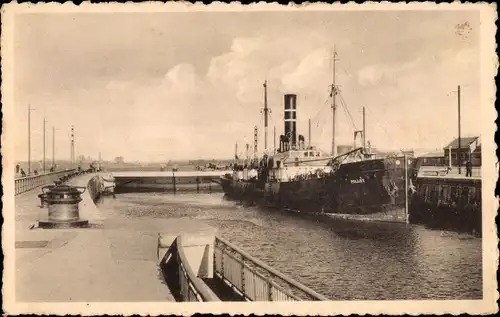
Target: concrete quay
[(115, 259)]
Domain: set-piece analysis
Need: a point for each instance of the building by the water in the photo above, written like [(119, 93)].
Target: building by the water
[(470, 148), (446, 195)]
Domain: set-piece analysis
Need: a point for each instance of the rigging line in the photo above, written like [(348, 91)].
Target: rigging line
[(321, 108), (347, 73), (319, 111), (344, 105), (320, 115), (315, 119), (347, 109), (271, 120), (274, 126), (347, 114), (259, 128)]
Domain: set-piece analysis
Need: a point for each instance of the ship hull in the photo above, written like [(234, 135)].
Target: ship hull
[(367, 187), (240, 190)]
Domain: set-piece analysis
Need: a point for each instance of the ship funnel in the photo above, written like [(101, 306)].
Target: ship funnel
[(291, 119)]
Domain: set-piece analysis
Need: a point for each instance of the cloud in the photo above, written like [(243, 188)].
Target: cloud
[(311, 72), (207, 113), (370, 75), (157, 102)]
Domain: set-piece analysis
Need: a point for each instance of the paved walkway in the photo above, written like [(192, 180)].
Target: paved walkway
[(432, 171), (114, 261)]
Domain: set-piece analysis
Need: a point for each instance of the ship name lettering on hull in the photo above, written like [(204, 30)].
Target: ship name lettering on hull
[(358, 181)]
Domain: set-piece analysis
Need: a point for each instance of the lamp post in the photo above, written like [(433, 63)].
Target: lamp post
[(29, 139), (459, 137), (44, 121), (72, 155)]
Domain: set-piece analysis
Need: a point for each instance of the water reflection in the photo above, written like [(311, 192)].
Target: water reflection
[(342, 259)]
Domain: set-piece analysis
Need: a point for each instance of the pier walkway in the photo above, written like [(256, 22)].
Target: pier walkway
[(109, 262), (117, 259), (452, 173)]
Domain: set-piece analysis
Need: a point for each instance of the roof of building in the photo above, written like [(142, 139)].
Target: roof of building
[(464, 142), (433, 154)]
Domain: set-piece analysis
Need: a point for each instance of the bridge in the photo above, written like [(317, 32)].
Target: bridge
[(109, 259)]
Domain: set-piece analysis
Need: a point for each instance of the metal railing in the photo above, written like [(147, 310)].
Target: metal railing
[(28, 183), (192, 288), (255, 280)]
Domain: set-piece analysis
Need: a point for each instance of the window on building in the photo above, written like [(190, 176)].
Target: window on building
[(454, 193), (422, 191), (444, 193), (464, 198), (478, 195), (434, 195)]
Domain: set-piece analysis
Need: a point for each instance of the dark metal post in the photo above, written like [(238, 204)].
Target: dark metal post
[(274, 139), (173, 181), (459, 137), (269, 291), (364, 129), (242, 274), (222, 261), (255, 141), (407, 212), (334, 105), (53, 147), (236, 152), (72, 145), (44, 121), (29, 140), (309, 137), (266, 110)]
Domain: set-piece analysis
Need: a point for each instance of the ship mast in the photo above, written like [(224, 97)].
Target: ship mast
[(309, 137), (364, 130), (266, 111), (255, 141), (333, 94)]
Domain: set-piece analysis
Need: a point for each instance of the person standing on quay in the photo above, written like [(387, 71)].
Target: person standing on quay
[(468, 168)]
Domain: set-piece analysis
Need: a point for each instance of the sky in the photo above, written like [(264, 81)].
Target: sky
[(161, 86)]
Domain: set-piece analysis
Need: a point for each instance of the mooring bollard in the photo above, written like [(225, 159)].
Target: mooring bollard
[(63, 203), (43, 196)]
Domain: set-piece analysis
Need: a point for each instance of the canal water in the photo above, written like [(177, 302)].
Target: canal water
[(344, 260)]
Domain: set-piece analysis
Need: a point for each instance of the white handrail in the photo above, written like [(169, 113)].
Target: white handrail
[(28, 183), (256, 280)]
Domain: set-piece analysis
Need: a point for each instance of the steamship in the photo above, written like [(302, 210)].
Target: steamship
[(355, 184)]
